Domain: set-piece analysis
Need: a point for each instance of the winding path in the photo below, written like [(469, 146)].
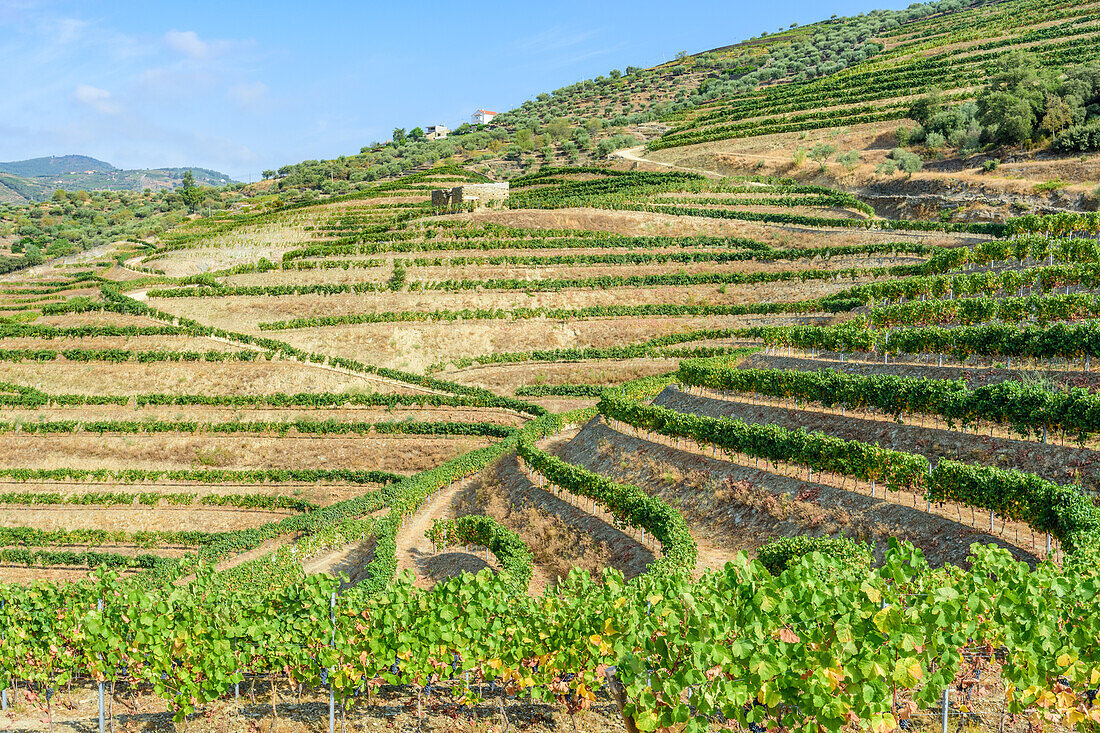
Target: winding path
[(634, 155), (416, 553)]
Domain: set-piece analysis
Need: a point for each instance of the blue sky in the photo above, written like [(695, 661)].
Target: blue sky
[(241, 86)]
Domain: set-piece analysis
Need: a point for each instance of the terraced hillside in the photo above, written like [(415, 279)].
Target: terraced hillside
[(724, 451), (916, 128), (619, 383), (970, 111)]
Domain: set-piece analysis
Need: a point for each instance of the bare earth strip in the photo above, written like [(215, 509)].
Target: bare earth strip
[(417, 554)]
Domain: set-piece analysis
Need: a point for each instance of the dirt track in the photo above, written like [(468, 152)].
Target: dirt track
[(416, 553)]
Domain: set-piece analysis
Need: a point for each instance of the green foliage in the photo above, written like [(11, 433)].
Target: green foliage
[(506, 545), (849, 160), (780, 554), (196, 475), (599, 311), (1051, 185), (560, 390), (1064, 511), (122, 355), (149, 499), (792, 636), (821, 153), (629, 504), (545, 284), (1028, 409), (616, 142), (1063, 341), (1081, 138), (1041, 309), (301, 426), (655, 346), (907, 161), (190, 193)]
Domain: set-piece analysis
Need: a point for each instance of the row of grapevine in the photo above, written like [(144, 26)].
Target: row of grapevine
[(563, 314), (1057, 225), (560, 390), (265, 265), (634, 257), (201, 475), (33, 537), (777, 650), (549, 284), (1063, 511), (1061, 340), (666, 279), (121, 355), (476, 529), (75, 558), (835, 200), (995, 230), (658, 346), (22, 396), (1029, 409), (39, 331), (729, 245), (1045, 279), (260, 427), (627, 503), (153, 499), (1042, 309), (1021, 248), (317, 400)]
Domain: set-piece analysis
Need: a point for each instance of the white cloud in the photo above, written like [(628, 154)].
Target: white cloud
[(96, 98), (187, 43), (248, 96)]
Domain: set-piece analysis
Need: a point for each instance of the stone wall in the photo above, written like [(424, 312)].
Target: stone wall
[(484, 192), (479, 194)]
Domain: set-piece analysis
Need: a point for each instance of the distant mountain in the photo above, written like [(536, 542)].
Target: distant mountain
[(55, 166), (24, 181)]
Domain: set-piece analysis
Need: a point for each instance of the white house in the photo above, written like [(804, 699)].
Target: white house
[(483, 117), (436, 132)]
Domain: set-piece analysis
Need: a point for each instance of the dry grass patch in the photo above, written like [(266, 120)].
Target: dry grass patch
[(772, 155), (558, 536), (137, 519), (103, 318), (415, 346), (259, 377), (398, 454), (505, 378), (320, 494), (131, 343), (244, 313), (638, 223)]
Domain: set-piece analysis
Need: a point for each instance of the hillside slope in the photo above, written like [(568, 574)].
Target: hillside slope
[(915, 110), (36, 179)]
